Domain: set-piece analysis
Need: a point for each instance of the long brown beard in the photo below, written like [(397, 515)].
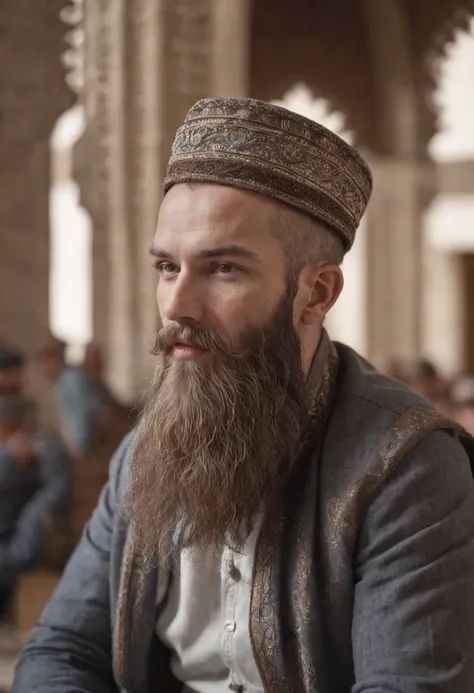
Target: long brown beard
[(218, 436)]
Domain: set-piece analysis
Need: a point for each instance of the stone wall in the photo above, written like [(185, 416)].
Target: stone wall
[(33, 95)]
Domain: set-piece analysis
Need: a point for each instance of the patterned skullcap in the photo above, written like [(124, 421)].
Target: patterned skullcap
[(257, 146)]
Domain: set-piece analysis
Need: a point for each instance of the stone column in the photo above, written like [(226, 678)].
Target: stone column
[(144, 77), (90, 162), (137, 92), (121, 251), (444, 308), (33, 94), (467, 270), (393, 261), (230, 48), (100, 167), (394, 220), (179, 51)]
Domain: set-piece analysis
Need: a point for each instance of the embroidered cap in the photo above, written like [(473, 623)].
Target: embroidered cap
[(263, 148)]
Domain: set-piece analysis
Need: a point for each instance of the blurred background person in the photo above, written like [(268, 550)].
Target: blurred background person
[(111, 412), (77, 398), (427, 381), (12, 370), (35, 493), (92, 421)]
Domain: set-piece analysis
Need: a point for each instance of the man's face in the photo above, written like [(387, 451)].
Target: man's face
[(220, 430), (219, 266)]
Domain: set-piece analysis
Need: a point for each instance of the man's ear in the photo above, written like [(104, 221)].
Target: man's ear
[(318, 290)]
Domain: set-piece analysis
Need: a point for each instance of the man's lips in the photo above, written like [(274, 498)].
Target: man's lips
[(187, 351)]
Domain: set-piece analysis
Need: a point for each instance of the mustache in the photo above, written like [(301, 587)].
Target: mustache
[(198, 337)]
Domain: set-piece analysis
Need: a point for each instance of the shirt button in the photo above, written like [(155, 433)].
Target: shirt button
[(229, 626)]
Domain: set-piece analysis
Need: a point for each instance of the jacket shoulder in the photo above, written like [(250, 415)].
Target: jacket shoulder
[(370, 404), (375, 425), (362, 382)]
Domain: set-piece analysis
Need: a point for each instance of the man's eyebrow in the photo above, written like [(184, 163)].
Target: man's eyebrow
[(220, 251), (159, 252), (231, 249)]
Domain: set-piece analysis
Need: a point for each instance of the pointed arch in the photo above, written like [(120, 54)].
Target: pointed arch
[(70, 239), (454, 99)]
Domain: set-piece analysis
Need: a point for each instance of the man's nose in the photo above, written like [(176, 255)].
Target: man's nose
[(182, 301)]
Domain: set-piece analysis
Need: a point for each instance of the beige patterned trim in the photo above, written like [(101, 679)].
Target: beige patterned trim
[(122, 634), (263, 615), (321, 390)]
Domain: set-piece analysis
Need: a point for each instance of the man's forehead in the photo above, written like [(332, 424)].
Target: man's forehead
[(218, 214), (216, 202)]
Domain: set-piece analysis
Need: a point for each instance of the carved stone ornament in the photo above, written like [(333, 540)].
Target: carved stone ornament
[(73, 57)]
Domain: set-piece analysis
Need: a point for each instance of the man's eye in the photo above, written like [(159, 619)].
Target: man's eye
[(225, 268), (166, 268)]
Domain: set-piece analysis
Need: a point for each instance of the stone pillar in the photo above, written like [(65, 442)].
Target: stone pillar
[(393, 263), (230, 47), (176, 52), (89, 162), (179, 51), (396, 105), (100, 168), (444, 308), (33, 94), (347, 321), (121, 308), (144, 77), (394, 219), (467, 271)]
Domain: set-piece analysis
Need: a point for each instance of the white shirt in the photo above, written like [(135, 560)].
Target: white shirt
[(205, 621)]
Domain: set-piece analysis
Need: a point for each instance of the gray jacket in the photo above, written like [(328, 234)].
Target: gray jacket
[(367, 587)]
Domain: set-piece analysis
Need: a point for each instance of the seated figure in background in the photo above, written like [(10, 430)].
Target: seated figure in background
[(112, 413), (87, 408), (92, 422), (427, 381), (34, 490), (12, 370), (78, 400)]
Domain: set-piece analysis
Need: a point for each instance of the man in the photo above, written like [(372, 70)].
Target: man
[(284, 518), (77, 398), (112, 415), (34, 488), (426, 380), (12, 370)]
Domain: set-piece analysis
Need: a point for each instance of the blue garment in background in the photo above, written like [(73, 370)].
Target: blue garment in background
[(27, 496), (78, 401)]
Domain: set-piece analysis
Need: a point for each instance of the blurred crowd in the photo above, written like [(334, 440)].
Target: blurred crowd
[(50, 478), (452, 396)]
